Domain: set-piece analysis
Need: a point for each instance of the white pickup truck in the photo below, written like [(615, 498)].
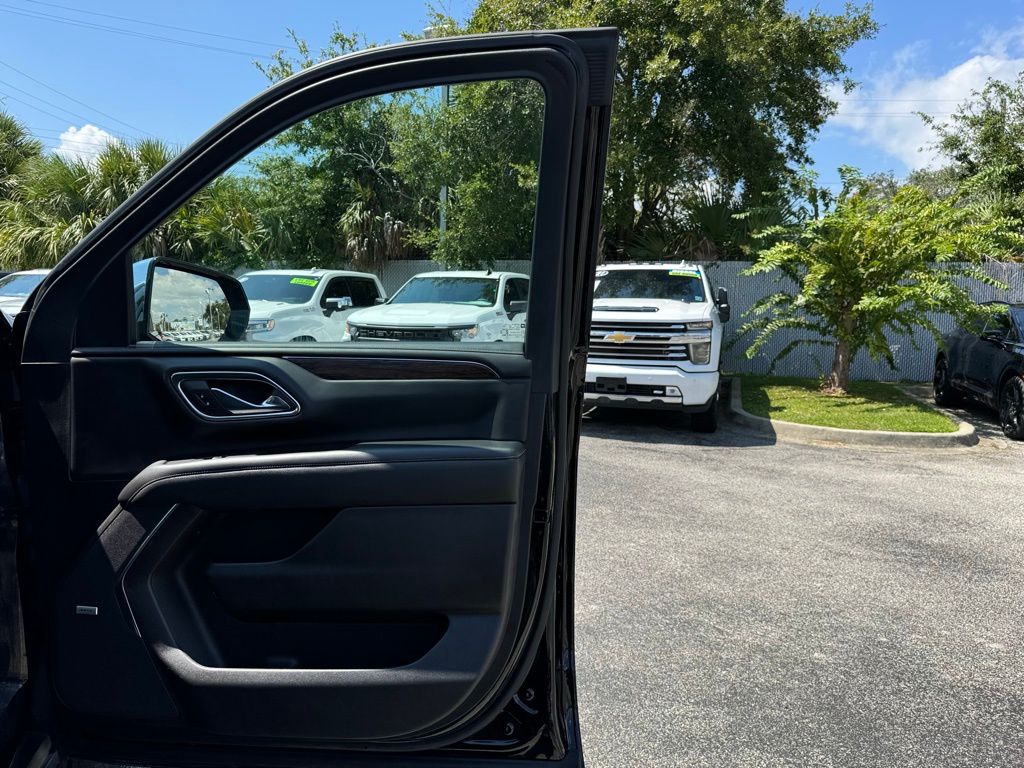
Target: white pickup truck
[(306, 304), (449, 306), (656, 339)]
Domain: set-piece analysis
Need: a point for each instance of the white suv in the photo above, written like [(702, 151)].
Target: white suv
[(655, 340), (449, 306), (307, 304)]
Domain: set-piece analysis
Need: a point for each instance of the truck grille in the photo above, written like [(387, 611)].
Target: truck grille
[(643, 341), (404, 334)]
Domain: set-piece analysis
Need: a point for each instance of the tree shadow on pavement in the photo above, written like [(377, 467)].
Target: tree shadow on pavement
[(984, 419)]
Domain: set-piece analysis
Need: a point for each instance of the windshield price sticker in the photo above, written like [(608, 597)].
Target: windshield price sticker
[(304, 281), (683, 273)]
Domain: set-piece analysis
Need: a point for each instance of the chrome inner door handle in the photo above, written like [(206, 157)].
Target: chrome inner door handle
[(218, 395)]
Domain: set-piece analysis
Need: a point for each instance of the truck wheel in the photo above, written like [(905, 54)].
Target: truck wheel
[(707, 421), (942, 386), (1011, 408)]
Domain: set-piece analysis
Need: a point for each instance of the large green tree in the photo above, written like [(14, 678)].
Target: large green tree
[(983, 146), (330, 180), (723, 90), (373, 179), (872, 264)]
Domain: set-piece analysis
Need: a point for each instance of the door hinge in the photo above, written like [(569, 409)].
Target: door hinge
[(579, 367)]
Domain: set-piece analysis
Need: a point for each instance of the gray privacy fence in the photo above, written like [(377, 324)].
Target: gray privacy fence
[(913, 364)]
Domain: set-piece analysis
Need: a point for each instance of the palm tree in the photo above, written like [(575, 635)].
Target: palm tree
[(55, 201), (17, 147)]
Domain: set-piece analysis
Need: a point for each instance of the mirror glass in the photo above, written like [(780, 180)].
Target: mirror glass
[(184, 307)]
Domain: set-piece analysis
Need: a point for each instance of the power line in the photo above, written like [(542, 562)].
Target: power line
[(163, 26), (31, 106), (120, 31), (72, 98), (50, 103)]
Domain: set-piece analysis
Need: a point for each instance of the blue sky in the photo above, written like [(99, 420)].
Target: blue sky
[(928, 56)]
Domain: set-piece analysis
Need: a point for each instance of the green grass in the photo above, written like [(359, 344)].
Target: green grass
[(869, 405)]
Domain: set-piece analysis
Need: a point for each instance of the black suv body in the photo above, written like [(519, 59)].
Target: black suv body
[(987, 364)]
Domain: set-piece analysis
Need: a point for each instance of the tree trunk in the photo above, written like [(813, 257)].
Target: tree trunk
[(839, 379)]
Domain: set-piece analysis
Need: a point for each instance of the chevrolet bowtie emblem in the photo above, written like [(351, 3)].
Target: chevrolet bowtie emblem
[(618, 337)]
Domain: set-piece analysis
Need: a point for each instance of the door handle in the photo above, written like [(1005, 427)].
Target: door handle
[(220, 395), (239, 406)]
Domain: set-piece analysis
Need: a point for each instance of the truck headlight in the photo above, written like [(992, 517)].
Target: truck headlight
[(462, 334), (700, 353), (352, 330), (703, 325), (262, 325)]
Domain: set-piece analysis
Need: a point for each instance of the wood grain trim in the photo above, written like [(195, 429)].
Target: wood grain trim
[(392, 368)]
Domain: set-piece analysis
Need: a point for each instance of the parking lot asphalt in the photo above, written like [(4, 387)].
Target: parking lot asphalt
[(742, 602)]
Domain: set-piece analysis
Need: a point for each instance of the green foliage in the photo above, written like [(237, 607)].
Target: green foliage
[(874, 264), (330, 181), (984, 145), (362, 182), (17, 148), (730, 90), (52, 202), (484, 148)]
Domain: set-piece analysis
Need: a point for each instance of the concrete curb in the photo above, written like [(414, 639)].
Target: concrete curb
[(807, 433)]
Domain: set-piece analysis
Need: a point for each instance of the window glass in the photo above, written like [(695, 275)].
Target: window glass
[(20, 283), (431, 191), (283, 288), (364, 292), (999, 324), (445, 289), (337, 288), (676, 284), (1018, 322)]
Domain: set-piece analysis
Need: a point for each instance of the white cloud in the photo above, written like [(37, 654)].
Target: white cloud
[(83, 143), (882, 112)]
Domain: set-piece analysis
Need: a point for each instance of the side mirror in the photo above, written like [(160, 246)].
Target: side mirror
[(724, 311), (380, 300), (185, 302), (996, 337), (517, 307), (340, 303)]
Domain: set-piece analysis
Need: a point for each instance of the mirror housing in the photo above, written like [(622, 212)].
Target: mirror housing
[(238, 302), (517, 307), (724, 310), (380, 300), (338, 304)]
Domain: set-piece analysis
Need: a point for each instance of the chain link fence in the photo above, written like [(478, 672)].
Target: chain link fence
[(914, 354)]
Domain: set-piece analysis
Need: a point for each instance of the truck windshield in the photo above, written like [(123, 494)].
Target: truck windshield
[(290, 289), (478, 291), (19, 285), (676, 284)]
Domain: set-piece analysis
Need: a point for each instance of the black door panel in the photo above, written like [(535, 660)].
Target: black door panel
[(334, 412), (396, 581)]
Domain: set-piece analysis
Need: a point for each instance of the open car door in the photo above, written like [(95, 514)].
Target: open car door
[(283, 552)]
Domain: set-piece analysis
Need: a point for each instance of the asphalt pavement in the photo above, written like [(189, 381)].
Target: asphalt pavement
[(742, 602)]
